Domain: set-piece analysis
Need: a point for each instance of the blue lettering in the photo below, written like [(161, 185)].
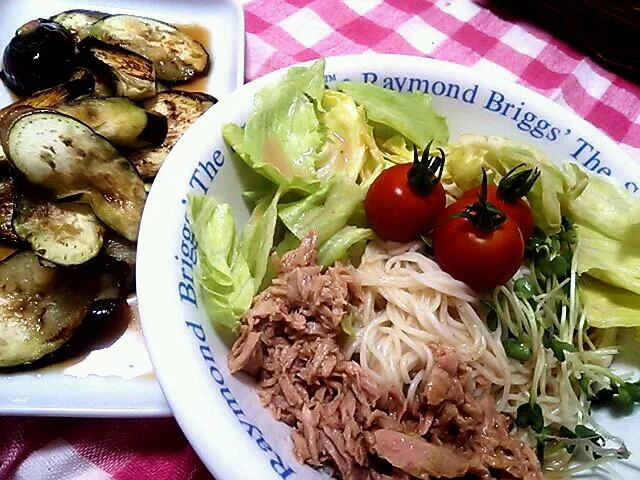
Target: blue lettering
[(205, 350), (440, 88), (469, 95), (418, 84), (593, 162), (632, 187), (280, 468), (216, 375), (198, 331), (232, 402), (194, 178), (604, 171), (494, 103), (368, 77), (400, 84), (187, 293), (584, 144), (453, 91), (218, 155)]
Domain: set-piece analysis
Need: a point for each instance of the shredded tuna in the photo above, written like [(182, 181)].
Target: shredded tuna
[(339, 415)]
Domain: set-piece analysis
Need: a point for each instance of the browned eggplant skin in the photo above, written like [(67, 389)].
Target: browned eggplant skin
[(78, 20), (181, 109), (41, 307), (7, 202), (63, 233), (119, 120), (185, 58), (115, 62), (71, 90), (40, 55), (109, 183)]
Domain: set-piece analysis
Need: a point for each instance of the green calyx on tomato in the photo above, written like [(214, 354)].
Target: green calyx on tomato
[(477, 243), (483, 214), (515, 185), (405, 201), (426, 172)]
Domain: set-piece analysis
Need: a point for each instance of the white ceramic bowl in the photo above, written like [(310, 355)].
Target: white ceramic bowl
[(219, 413)]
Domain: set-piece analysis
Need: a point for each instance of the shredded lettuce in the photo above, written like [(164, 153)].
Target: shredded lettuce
[(410, 114), (223, 276), (336, 247), (608, 209), (608, 306), (609, 260), (281, 136), (345, 147), (310, 80), (257, 238), (466, 158), (325, 211)]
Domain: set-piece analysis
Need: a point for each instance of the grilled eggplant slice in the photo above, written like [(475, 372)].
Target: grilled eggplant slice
[(119, 120), (176, 56), (83, 85), (181, 110), (41, 307), (66, 157), (131, 75), (7, 199), (102, 86), (62, 233), (121, 254), (78, 21)]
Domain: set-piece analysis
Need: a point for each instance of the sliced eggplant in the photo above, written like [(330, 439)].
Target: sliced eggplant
[(62, 233), (181, 110), (120, 250), (78, 21), (66, 157), (84, 84), (121, 254), (176, 56), (119, 120), (7, 198), (42, 54), (102, 85), (131, 75), (41, 307)]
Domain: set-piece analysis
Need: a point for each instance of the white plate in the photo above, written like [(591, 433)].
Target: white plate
[(116, 377), (221, 414)]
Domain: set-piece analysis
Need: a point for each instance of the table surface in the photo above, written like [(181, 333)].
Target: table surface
[(278, 34)]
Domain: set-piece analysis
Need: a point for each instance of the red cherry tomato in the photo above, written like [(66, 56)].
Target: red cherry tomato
[(405, 200), (480, 258), (517, 209)]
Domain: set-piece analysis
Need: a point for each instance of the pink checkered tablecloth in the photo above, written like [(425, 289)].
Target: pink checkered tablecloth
[(280, 33)]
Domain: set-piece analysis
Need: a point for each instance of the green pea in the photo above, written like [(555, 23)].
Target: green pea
[(523, 288), (516, 349)]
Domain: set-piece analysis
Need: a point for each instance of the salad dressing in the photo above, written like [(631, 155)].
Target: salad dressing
[(201, 35)]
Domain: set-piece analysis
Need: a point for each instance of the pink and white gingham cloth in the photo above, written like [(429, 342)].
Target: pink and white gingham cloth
[(280, 33)]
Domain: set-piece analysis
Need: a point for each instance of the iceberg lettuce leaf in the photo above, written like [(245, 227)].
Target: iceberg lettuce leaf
[(325, 211), (257, 238), (609, 260), (410, 114), (608, 306), (336, 247), (225, 286)]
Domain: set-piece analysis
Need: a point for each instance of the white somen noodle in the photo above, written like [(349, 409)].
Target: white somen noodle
[(410, 304)]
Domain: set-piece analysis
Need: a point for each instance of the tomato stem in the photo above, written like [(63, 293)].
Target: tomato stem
[(514, 186), (426, 172), (483, 214)]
